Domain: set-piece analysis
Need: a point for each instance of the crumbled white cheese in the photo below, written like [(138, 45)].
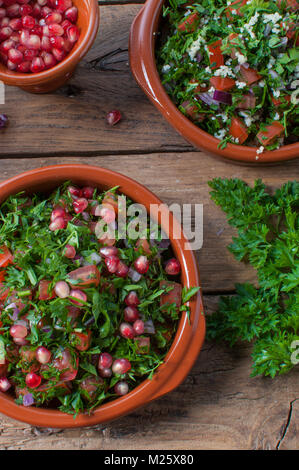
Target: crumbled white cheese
[(224, 71), (208, 70), (261, 83), (274, 17), (260, 150), (276, 117), (242, 59), (240, 84), (247, 118), (220, 134), (276, 93), (166, 68)]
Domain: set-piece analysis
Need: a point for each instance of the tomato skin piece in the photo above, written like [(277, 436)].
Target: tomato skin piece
[(143, 344), (192, 111), (249, 75), (272, 132), (222, 83), (216, 56), (144, 245), (290, 4), (44, 293), (281, 100), (65, 363), (6, 257), (173, 296), (238, 130), (247, 101), (236, 5), (85, 277), (82, 340), (189, 24)]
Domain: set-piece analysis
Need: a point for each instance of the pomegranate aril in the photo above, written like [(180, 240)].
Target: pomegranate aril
[(138, 327), (79, 295), (18, 331), (66, 24), (36, 11), (7, 45), (108, 215), (57, 212), (73, 33), (113, 117), (15, 56), (105, 361), (37, 29), (112, 263), (71, 14), (57, 42), (122, 269), (106, 372), (87, 192), (53, 17), (131, 314), (15, 24), (28, 22), (63, 5), (108, 251), (56, 29), (4, 384), (173, 267), (80, 205), (43, 355), (5, 33), (33, 380), (121, 366), (126, 330), (49, 60), (74, 191), (25, 10), (33, 42), (24, 67), (2, 13), (121, 388), (13, 10), (58, 224), (37, 65), (45, 44), (132, 299), (62, 289), (69, 252), (141, 264)]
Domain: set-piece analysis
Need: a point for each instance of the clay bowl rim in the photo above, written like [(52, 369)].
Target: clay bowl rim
[(188, 339)]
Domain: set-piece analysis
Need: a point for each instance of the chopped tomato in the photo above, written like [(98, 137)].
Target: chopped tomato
[(110, 200), (271, 133), (173, 296), (247, 102), (44, 293), (143, 344), (283, 99), (215, 55), (293, 32), (86, 276), (249, 75), (2, 275), (65, 363), (192, 111), (62, 386), (289, 4), (3, 369), (144, 244), (190, 23), (222, 83), (82, 340), (238, 130), (236, 5), (6, 257), (3, 292), (199, 88), (106, 240)]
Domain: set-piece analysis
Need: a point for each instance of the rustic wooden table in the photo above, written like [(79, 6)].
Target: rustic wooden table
[(218, 406)]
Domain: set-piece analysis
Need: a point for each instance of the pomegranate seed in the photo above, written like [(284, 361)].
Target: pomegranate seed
[(71, 14), (108, 251), (33, 380), (57, 42), (126, 330), (33, 42), (45, 11), (2, 13), (48, 59), (15, 56), (46, 45), (5, 33), (108, 215), (66, 24), (28, 22), (36, 11), (138, 327), (7, 45), (131, 314), (122, 270), (4, 384), (73, 34), (69, 252), (79, 295), (43, 355), (21, 341), (25, 10), (74, 191), (121, 388), (63, 5), (37, 29), (13, 10), (10, 65), (18, 331), (87, 192), (113, 117), (112, 263), (121, 366), (106, 372), (57, 212), (62, 289), (3, 121), (173, 267), (132, 299), (105, 361), (58, 224), (15, 24), (56, 29), (53, 17), (80, 205), (141, 264), (24, 67)]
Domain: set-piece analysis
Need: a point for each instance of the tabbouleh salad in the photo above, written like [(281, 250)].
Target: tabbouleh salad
[(232, 67)]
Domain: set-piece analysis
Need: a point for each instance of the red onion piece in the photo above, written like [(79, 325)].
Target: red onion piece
[(222, 97), (28, 399), (207, 99)]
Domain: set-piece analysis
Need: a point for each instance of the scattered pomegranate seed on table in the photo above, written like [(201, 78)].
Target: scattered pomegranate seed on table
[(113, 117), (36, 35)]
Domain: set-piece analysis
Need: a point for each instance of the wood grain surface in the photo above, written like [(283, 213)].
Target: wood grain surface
[(219, 406)]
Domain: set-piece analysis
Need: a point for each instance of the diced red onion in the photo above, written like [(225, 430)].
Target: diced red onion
[(15, 313), (207, 99), (149, 327), (222, 97), (198, 57), (95, 258), (134, 275), (28, 399)]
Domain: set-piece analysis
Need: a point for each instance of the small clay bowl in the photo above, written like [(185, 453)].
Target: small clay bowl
[(142, 43), (190, 334), (50, 80)]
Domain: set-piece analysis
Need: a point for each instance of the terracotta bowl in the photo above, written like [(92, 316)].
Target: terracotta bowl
[(190, 335), (143, 64), (50, 80)]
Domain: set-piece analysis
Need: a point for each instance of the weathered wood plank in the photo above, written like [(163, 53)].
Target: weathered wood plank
[(182, 178), (217, 407), (72, 120)]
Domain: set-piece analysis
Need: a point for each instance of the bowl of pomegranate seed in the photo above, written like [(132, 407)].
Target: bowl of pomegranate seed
[(94, 324), (42, 41)]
